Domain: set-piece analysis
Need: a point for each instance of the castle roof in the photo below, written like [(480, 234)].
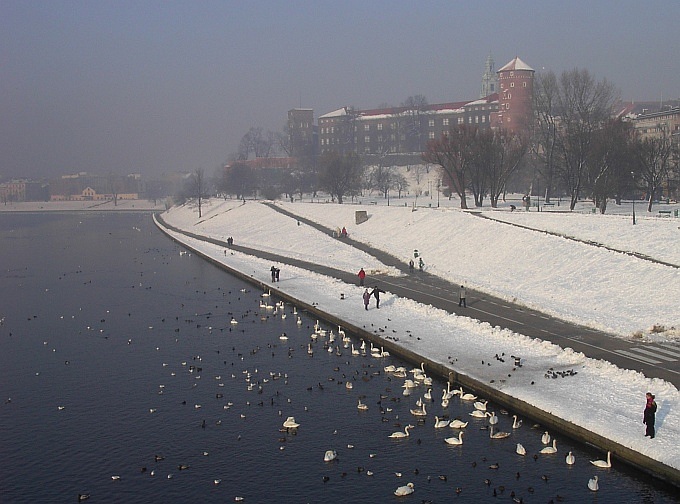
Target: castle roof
[(516, 64)]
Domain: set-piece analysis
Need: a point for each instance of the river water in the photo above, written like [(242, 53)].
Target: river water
[(119, 359)]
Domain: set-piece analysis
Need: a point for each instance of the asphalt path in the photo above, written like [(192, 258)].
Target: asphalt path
[(654, 360)]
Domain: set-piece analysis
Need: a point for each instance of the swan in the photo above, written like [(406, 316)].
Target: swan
[(354, 350), (348, 385), (409, 384), (592, 484), (399, 434), (478, 414), (330, 456), (498, 435), (493, 419), (516, 424), (603, 463), (362, 406), (439, 424), (419, 412), (428, 395), (404, 490), (481, 406), (390, 369), (570, 459), (550, 449), (290, 423), (445, 403), (468, 397), (455, 440), (545, 438), (457, 424), (520, 449)]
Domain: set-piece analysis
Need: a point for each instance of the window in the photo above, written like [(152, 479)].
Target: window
[(461, 120), (430, 123), (476, 119), (512, 84), (367, 127), (393, 125), (445, 122), (393, 137), (470, 120), (431, 135), (524, 84), (379, 126), (367, 139), (380, 138), (483, 119)]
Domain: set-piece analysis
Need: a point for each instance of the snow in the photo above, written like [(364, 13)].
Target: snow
[(579, 282)]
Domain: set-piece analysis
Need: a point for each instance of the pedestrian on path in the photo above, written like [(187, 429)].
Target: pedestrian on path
[(376, 293), (649, 416), (273, 271), (367, 298), (461, 297), (362, 276), (421, 264), (278, 272), (411, 266)]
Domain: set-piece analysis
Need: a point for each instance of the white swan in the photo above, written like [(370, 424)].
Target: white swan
[(390, 369), (592, 484), (457, 424), (404, 490), (520, 449), (516, 424), (468, 397), (455, 440), (493, 419), (440, 424), (362, 406), (354, 350), (548, 450), (409, 384), (399, 434), (478, 414), (419, 412), (570, 459), (445, 403), (545, 438), (290, 423), (481, 405), (603, 463), (498, 435), (428, 395), (330, 455)]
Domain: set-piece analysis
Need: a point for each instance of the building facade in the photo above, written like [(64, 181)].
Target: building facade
[(515, 97)]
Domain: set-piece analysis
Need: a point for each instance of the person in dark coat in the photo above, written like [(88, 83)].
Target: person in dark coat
[(649, 416), (411, 265), (367, 298), (376, 293), (273, 271), (461, 297), (362, 276)]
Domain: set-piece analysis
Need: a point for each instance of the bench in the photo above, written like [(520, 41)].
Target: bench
[(665, 212), (548, 204)]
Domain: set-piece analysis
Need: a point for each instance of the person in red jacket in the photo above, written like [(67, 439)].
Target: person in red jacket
[(362, 276)]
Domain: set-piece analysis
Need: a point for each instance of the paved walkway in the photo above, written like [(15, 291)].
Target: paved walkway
[(654, 360)]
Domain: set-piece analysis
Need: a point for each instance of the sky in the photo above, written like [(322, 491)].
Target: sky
[(157, 87), (588, 284)]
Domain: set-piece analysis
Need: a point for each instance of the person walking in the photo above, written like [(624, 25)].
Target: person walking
[(367, 298), (649, 416), (421, 264), (410, 266), (461, 297), (278, 272), (362, 276), (273, 271), (376, 293)]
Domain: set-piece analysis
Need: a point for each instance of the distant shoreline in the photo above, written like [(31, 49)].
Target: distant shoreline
[(83, 206)]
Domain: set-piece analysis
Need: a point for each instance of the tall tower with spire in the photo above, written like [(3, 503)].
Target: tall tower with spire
[(489, 79)]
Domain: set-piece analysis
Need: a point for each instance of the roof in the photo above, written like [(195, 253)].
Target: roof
[(336, 113), (516, 64)]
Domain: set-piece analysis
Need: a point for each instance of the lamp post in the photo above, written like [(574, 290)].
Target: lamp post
[(632, 174), (439, 184)]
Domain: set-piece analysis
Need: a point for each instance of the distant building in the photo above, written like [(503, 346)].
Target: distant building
[(23, 190), (301, 132), (515, 97), (659, 123), (84, 186), (489, 79)]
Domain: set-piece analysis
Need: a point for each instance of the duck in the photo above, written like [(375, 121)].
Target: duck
[(457, 424), (439, 424), (404, 490), (330, 455), (516, 423), (290, 423), (548, 450), (570, 459), (455, 440), (545, 438), (603, 463), (400, 435), (592, 484), (520, 449)]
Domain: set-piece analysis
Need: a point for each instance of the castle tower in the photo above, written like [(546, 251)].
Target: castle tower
[(515, 96), (489, 79)]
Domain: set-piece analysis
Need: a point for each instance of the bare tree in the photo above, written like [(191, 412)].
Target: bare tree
[(546, 91), (454, 153), (584, 106), (198, 188), (506, 153), (413, 115), (341, 174), (653, 156)]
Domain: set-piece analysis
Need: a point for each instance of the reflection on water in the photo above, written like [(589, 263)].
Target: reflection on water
[(118, 358)]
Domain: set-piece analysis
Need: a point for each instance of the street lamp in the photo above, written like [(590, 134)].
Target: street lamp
[(632, 174), (439, 184)]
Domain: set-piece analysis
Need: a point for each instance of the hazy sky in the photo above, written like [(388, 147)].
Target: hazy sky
[(162, 86)]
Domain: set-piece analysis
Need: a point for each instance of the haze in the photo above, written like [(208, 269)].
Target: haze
[(158, 87)]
